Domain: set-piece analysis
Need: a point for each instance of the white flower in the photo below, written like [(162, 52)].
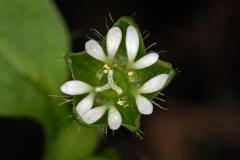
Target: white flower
[(152, 85), (85, 109), (114, 38)]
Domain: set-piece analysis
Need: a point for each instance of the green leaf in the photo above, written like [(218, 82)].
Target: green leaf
[(33, 38), (87, 69), (74, 143)]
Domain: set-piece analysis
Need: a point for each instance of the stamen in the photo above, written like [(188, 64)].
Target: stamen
[(130, 72), (106, 68), (120, 101)]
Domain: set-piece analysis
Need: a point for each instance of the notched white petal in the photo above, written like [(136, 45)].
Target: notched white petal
[(85, 104), (94, 114), (114, 37), (154, 84), (94, 49), (114, 118), (146, 61), (132, 43), (75, 87), (144, 105)]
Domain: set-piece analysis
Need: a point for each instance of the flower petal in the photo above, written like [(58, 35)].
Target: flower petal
[(94, 114), (154, 84), (146, 61), (132, 43), (95, 50), (85, 104), (114, 118), (114, 37), (75, 87), (144, 105)]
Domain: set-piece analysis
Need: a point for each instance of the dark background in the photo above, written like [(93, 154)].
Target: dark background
[(202, 43)]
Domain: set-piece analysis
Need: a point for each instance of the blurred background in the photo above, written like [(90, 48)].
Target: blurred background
[(201, 40)]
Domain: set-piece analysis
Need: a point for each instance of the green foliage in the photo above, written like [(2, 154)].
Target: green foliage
[(32, 38)]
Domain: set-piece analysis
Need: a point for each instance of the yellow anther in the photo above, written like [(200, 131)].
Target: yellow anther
[(130, 72), (120, 101), (106, 68)]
